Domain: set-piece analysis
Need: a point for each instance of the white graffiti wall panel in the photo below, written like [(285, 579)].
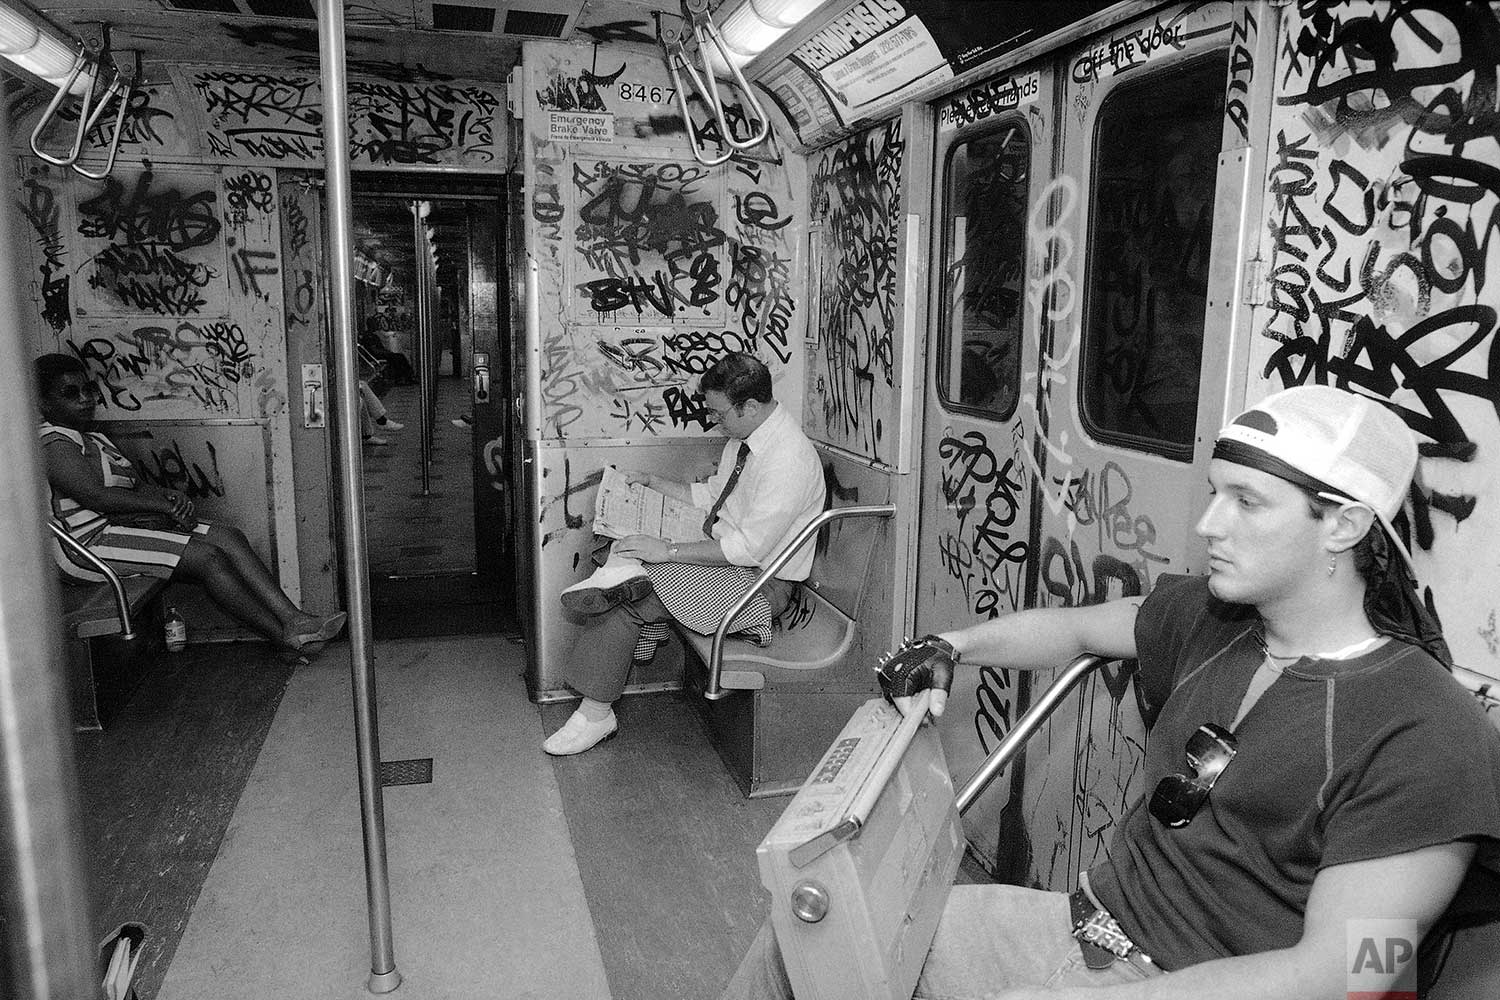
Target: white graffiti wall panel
[(1383, 203), (155, 126), (650, 265), (148, 247), (648, 243), (855, 198), (275, 117), (166, 282)]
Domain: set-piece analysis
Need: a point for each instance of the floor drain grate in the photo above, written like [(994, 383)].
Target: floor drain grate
[(406, 772)]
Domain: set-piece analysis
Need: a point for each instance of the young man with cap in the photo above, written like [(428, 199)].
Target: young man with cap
[(769, 485), (1317, 774)]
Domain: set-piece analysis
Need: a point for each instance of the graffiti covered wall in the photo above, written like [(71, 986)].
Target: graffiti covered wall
[(1045, 507), (215, 114), (649, 266), (1382, 206), (855, 194), (167, 284)]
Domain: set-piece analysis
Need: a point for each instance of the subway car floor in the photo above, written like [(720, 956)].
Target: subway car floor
[(422, 547), (221, 810), (411, 534)]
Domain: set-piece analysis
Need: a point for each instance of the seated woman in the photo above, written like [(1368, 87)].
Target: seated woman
[(141, 529)]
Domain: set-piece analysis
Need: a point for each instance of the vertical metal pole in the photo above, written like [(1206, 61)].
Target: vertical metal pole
[(434, 330), (426, 356), (44, 911), (383, 974)]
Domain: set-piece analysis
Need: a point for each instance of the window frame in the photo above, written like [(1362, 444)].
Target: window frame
[(1088, 341), (945, 340)]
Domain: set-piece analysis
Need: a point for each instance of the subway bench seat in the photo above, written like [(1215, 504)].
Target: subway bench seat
[(774, 709), (105, 664)]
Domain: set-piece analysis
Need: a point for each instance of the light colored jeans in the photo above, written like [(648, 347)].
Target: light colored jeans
[(992, 938), (371, 409)]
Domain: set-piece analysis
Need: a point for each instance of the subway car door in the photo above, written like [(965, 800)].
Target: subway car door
[(1129, 379), (974, 559), (1123, 274)]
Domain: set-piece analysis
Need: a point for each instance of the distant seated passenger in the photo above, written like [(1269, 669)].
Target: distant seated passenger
[(1336, 781), (397, 365), (138, 529)]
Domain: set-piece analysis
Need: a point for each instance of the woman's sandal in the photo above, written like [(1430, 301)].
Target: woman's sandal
[(299, 650), (328, 627)]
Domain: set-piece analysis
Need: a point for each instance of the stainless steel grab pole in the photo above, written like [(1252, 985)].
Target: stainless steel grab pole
[(44, 911), (427, 353), (383, 974), (1040, 711)]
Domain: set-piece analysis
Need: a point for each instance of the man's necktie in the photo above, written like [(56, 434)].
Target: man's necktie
[(734, 477)]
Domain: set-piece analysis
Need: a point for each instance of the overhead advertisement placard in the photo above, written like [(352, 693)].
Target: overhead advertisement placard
[(875, 54), (866, 60)]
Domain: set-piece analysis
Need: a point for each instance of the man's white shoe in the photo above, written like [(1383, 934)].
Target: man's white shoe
[(616, 582), (579, 734), (391, 425)]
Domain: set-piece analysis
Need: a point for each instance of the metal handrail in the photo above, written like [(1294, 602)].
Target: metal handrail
[(1041, 710), (127, 627), (713, 692), (674, 48)]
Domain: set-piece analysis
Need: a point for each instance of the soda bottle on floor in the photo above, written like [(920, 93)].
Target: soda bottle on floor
[(176, 631)]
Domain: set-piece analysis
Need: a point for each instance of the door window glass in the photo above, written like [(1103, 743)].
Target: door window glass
[(984, 244), (1156, 150)]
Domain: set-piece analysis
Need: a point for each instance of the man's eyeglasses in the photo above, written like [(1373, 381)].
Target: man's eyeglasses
[(78, 391), (1178, 797)]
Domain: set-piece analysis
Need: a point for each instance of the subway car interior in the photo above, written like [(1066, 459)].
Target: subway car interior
[(391, 291)]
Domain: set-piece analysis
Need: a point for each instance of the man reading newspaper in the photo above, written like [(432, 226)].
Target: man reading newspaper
[(768, 486)]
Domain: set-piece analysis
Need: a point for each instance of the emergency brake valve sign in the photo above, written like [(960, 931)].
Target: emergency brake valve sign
[(580, 126)]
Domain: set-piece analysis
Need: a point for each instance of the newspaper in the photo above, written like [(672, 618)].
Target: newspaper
[(622, 508)]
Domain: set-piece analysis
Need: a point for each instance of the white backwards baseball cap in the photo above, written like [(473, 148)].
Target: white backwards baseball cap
[(1336, 444)]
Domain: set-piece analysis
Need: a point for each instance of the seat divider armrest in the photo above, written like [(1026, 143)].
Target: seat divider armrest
[(713, 691)]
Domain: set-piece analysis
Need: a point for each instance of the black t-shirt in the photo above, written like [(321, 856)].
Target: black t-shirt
[(1339, 761)]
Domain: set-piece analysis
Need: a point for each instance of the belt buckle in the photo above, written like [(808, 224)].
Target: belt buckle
[(1100, 939)]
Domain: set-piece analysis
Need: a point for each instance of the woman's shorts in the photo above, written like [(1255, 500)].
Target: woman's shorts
[(130, 551)]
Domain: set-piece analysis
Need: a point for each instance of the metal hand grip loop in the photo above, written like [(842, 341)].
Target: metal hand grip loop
[(122, 87), (706, 85), (85, 120)]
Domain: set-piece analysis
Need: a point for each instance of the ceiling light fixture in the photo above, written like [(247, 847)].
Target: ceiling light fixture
[(756, 25), (25, 42)]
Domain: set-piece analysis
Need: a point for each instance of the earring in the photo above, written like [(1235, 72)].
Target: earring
[(1333, 563)]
